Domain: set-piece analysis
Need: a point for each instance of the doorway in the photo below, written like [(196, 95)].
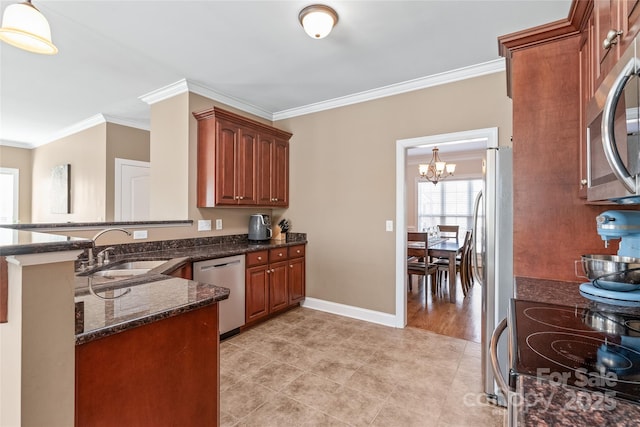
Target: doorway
[(452, 142), (131, 190)]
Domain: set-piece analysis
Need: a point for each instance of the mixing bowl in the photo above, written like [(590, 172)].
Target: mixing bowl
[(612, 271)]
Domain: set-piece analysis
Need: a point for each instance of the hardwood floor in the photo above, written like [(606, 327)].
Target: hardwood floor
[(436, 314)]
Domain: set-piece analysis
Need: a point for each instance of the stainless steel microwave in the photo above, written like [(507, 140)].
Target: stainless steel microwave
[(613, 134)]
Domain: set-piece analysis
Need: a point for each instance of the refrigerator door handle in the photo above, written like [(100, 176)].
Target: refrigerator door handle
[(475, 253), (497, 372)]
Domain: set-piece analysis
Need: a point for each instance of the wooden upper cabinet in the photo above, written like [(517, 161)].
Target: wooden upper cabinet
[(273, 170), (617, 22), (240, 161)]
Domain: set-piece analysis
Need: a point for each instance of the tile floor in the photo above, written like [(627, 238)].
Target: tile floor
[(307, 367)]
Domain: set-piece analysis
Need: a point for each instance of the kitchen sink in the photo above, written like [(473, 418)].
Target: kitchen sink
[(128, 269)]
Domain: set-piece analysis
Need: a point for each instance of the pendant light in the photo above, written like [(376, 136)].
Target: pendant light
[(23, 26), (318, 20), (436, 170)]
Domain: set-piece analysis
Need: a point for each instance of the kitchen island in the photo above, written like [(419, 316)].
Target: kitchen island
[(151, 350), (549, 396)]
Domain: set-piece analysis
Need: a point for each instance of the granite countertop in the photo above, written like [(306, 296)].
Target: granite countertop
[(148, 298), (20, 242), (155, 295)]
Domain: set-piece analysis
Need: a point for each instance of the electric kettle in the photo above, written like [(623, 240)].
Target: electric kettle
[(259, 227)]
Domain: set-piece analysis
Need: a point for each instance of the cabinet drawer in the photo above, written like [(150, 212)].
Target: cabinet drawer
[(257, 258), (296, 251), (278, 254)]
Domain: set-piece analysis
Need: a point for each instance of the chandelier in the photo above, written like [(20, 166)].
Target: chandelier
[(436, 170)]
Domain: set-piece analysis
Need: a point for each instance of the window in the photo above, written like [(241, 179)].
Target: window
[(448, 202), (9, 199)]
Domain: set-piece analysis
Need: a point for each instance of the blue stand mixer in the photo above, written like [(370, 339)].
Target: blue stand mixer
[(615, 279)]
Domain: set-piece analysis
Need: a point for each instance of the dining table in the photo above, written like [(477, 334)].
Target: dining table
[(439, 248)]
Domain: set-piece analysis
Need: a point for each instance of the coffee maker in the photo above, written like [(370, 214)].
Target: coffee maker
[(259, 228)]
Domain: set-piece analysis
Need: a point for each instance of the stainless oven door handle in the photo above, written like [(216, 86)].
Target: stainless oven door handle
[(608, 127), (497, 373)]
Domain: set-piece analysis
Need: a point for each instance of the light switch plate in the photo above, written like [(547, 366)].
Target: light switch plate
[(204, 224), (389, 225), (218, 224), (140, 234)]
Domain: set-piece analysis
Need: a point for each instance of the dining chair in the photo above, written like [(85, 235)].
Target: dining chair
[(449, 231), (463, 266), (420, 265)]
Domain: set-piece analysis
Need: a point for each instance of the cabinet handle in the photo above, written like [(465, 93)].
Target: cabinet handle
[(290, 265), (237, 197), (280, 254), (273, 270), (241, 197), (259, 258), (611, 39), (268, 271), (298, 251), (583, 181)]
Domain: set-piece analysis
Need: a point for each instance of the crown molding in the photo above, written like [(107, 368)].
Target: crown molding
[(201, 90), (15, 144), (132, 123), (75, 128), (478, 70), (184, 85), (166, 92)]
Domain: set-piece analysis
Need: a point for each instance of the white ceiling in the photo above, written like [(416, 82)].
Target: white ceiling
[(253, 54)]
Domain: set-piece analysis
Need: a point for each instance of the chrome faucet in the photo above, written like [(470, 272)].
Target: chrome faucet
[(98, 234)]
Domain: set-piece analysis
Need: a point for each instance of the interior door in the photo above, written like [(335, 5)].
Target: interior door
[(131, 190)]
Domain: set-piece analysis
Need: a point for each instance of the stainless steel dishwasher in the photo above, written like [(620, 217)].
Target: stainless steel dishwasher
[(229, 273)]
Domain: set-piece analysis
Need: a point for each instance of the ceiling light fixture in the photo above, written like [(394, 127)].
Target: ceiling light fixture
[(23, 26), (318, 20), (436, 169)]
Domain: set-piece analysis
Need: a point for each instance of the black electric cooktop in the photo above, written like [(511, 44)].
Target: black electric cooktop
[(595, 348)]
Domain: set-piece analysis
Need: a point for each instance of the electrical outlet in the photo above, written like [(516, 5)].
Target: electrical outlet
[(140, 234), (218, 224), (389, 225), (204, 224)]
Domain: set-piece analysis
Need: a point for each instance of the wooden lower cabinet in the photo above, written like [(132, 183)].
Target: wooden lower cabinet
[(165, 373), (296, 280), (274, 281)]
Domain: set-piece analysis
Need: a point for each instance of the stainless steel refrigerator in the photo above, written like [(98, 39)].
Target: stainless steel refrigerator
[(494, 257)]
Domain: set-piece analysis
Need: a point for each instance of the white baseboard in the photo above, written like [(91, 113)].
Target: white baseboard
[(367, 315)]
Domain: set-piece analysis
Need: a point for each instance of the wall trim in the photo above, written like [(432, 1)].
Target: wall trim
[(365, 314), (165, 92), (477, 70)]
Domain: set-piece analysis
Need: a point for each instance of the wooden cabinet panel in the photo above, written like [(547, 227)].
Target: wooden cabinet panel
[(160, 374), (241, 162), (227, 135), (257, 258), (296, 280), (273, 171), (280, 173), (265, 155), (246, 167), (274, 286), (296, 251), (278, 286), (256, 293)]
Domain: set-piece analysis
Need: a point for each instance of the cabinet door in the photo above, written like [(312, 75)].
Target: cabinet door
[(265, 155), (206, 162), (257, 292), (227, 135), (278, 291), (280, 173), (296, 280), (246, 167)]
